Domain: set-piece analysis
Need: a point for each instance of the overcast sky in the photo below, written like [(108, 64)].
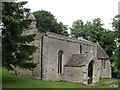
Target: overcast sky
[(67, 11)]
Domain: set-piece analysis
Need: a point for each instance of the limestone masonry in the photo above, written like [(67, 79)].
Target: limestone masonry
[(63, 58)]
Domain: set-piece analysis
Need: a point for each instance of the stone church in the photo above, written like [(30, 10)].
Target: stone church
[(64, 58)]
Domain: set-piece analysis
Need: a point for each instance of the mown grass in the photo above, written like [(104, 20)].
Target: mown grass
[(106, 79), (12, 81)]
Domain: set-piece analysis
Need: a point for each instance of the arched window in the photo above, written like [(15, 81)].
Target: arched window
[(60, 61)]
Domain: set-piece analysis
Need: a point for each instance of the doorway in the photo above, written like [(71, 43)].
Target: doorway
[(90, 72)]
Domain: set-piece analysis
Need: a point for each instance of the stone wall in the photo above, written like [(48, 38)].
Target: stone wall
[(73, 74), (37, 57), (86, 48), (96, 71), (105, 73), (46, 58), (52, 44), (51, 47)]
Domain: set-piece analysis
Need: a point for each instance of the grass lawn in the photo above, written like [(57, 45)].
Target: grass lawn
[(12, 81)]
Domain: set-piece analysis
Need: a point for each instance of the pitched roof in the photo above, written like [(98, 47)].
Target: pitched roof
[(76, 60), (101, 54)]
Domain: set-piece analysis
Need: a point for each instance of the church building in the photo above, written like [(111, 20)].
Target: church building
[(64, 58)]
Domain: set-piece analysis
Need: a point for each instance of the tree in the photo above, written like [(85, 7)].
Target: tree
[(94, 31), (116, 27), (107, 41), (63, 29), (90, 30), (47, 22), (16, 50), (97, 30), (77, 29)]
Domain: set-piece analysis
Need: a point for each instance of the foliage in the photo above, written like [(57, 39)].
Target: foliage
[(116, 27), (107, 41), (95, 32), (77, 29), (89, 30), (16, 51), (63, 29), (47, 22)]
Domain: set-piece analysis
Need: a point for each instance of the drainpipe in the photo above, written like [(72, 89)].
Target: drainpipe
[(41, 55)]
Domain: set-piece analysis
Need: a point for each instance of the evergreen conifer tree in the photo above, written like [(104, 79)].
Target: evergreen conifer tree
[(16, 50)]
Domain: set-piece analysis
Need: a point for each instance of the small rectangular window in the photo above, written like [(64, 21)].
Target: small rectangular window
[(80, 48)]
